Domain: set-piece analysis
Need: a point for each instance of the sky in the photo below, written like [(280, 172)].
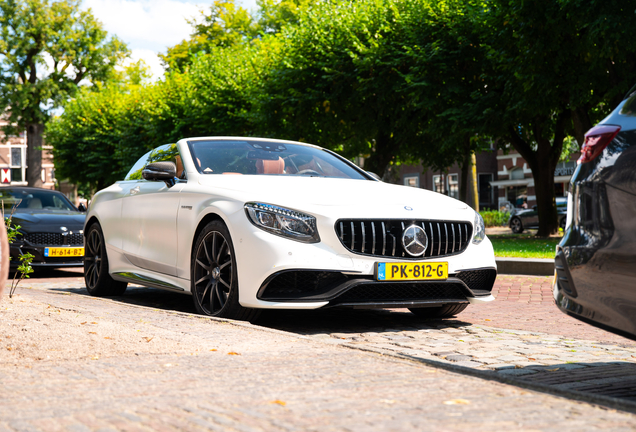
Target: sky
[(150, 26)]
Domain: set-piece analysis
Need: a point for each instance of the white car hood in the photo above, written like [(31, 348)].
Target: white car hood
[(353, 198)]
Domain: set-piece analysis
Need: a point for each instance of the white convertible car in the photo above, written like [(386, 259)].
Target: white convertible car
[(245, 224)]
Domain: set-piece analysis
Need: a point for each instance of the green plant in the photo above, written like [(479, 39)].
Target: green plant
[(494, 218), (24, 268)]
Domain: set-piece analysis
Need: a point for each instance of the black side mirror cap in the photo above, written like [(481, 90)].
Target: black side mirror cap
[(81, 207), (160, 171)]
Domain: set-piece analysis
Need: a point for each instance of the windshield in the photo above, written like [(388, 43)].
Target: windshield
[(268, 158), (30, 199)]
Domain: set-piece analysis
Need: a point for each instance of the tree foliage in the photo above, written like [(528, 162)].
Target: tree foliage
[(47, 48)]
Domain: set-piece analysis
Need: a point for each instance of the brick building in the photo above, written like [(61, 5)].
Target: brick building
[(13, 165)]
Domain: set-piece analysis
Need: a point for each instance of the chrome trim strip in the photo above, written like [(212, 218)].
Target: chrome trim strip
[(147, 281), (383, 239), (373, 238), (364, 235), (453, 228), (439, 244), (353, 236)]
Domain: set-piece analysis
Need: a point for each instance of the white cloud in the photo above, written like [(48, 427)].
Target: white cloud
[(151, 26)]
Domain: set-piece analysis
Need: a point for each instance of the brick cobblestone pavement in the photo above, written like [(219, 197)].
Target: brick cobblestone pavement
[(303, 379)]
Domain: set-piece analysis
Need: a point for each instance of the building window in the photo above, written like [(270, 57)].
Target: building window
[(17, 164), (413, 181), (438, 183), (517, 174), (485, 189), (453, 186)]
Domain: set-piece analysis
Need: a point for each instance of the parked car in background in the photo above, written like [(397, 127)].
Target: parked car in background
[(595, 261), (522, 219), (51, 227), (245, 224)]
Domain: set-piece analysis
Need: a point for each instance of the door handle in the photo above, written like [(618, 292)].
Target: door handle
[(135, 190)]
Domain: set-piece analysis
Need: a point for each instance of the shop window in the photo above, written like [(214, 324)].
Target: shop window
[(413, 181), (438, 183), (453, 186)]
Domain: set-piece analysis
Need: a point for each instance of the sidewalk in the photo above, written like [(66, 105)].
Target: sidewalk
[(121, 366)]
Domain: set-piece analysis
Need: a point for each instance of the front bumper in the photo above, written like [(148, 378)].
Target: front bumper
[(39, 260), (278, 273)]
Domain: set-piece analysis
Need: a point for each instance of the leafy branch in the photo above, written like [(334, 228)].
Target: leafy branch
[(24, 268)]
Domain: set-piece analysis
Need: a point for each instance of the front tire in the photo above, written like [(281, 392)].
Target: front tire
[(516, 225), (96, 276), (445, 311), (214, 275)]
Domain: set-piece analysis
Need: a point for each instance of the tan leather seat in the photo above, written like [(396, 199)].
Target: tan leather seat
[(270, 166)]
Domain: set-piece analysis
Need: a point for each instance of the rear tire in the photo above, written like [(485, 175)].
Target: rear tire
[(214, 276), (96, 276), (516, 225), (445, 311)]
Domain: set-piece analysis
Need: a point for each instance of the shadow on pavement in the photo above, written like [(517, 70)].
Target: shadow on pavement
[(345, 321)]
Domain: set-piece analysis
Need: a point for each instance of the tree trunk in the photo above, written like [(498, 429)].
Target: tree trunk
[(381, 156), (473, 181), (34, 154), (546, 206)]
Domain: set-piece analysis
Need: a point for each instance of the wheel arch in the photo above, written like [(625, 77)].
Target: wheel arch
[(202, 223), (89, 222)]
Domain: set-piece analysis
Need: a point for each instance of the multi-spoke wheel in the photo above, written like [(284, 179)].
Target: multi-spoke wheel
[(516, 225), (445, 311), (214, 275), (98, 281)]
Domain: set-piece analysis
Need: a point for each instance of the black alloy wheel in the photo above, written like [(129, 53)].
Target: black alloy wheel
[(214, 275), (98, 281), (516, 225)]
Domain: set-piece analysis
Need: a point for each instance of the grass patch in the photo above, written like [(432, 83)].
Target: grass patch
[(523, 246)]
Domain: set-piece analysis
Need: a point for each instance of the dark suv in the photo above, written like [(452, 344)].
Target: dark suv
[(596, 259)]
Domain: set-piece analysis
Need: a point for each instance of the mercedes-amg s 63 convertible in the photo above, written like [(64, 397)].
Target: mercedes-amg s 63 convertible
[(244, 224)]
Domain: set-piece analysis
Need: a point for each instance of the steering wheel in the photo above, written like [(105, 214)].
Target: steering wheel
[(308, 172)]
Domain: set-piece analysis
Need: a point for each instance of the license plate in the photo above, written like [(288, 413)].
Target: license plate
[(412, 271), (64, 252)]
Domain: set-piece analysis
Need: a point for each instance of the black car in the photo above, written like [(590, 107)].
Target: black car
[(521, 219), (595, 262), (51, 227)]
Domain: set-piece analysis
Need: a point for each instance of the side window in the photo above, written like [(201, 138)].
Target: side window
[(135, 171)]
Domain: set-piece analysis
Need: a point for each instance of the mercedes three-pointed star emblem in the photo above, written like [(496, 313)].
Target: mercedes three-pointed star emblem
[(415, 240)]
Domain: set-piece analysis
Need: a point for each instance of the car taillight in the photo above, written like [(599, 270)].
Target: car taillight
[(596, 139)]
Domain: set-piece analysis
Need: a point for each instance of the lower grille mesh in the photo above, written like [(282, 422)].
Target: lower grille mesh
[(370, 292), (479, 281), (53, 239)]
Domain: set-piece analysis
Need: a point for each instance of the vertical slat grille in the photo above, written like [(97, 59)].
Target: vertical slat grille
[(384, 237)]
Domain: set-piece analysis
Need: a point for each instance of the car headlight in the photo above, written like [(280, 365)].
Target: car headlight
[(479, 229), (283, 222)]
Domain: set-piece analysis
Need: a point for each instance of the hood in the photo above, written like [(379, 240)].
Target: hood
[(48, 221), (360, 198)]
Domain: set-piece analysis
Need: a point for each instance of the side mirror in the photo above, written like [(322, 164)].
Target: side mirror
[(81, 207), (160, 171)]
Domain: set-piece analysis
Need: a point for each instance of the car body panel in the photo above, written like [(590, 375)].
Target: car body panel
[(596, 258)]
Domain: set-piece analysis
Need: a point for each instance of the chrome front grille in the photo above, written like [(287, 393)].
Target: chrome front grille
[(383, 238)]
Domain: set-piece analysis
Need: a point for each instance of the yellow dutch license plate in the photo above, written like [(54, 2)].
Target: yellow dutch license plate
[(412, 271), (64, 252)]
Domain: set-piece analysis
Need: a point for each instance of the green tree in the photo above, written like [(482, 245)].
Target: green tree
[(47, 48), (554, 71), (225, 26)]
